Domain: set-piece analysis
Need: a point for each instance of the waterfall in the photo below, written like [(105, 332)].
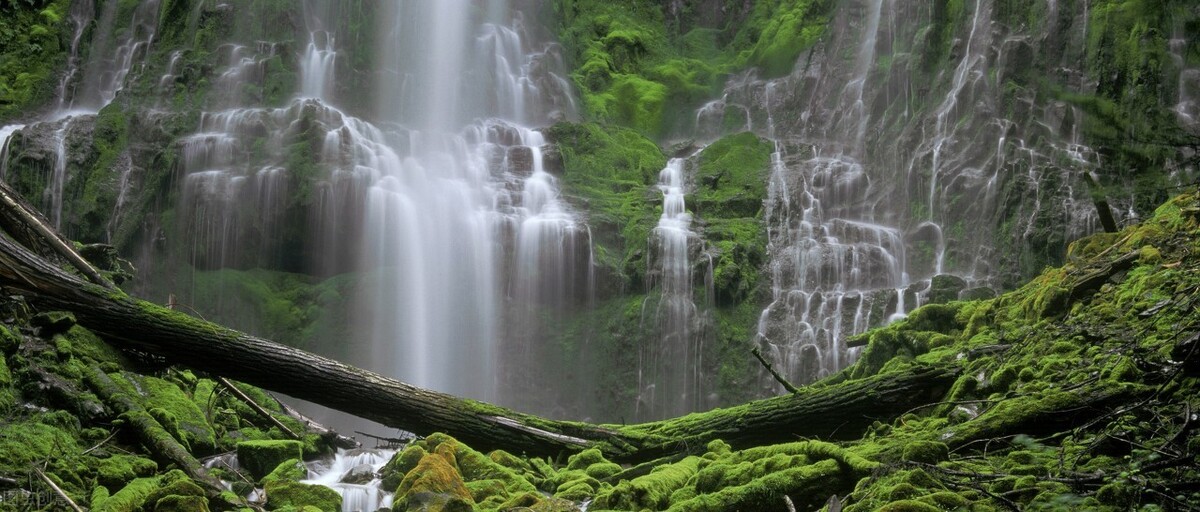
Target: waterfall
[(6, 135), (112, 56), (883, 179), (442, 198), (353, 474), (670, 364)]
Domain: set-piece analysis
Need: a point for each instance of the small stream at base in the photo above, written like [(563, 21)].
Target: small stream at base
[(355, 475)]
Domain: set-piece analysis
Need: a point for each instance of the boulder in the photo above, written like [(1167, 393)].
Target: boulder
[(260, 458), (945, 288), (434, 485), (282, 493)]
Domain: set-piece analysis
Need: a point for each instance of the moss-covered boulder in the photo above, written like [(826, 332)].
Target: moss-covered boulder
[(291, 469), (177, 503), (434, 485), (282, 493), (927, 452), (129, 498), (393, 472), (945, 288), (118, 470), (260, 458)]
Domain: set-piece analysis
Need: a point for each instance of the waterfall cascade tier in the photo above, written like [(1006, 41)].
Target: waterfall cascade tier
[(670, 379), (886, 194)]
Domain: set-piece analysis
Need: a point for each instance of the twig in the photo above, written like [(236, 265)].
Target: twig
[(101, 443), (389, 440), (257, 408), (779, 378), (57, 489)]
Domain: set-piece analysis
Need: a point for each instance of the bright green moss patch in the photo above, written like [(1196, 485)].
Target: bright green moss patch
[(172, 408), (730, 187), (260, 458), (33, 44), (129, 498), (283, 493), (609, 171), (118, 470), (635, 68)]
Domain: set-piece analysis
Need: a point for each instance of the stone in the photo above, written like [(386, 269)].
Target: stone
[(978, 293), (360, 474), (282, 493), (260, 458), (434, 485), (291, 469), (520, 160), (945, 288), (53, 322)]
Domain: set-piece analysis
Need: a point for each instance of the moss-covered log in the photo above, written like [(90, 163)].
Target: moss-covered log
[(842, 410), (149, 431)]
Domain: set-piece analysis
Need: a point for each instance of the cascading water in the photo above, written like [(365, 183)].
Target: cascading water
[(444, 199), (669, 379), (353, 474), (113, 55), (80, 96), (853, 243)]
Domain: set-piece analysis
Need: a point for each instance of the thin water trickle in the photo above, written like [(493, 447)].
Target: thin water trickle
[(669, 375)]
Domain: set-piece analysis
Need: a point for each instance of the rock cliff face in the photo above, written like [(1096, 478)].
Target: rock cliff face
[(259, 160)]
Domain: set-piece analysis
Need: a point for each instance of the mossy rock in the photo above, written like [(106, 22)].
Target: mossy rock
[(291, 470), (176, 503), (53, 322), (118, 470), (928, 452), (260, 458), (945, 288), (585, 458), (403, 462), (130, 498), (434, 485), (908, 506), (602, 470), (282, 493)]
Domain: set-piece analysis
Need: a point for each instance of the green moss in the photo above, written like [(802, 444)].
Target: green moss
[(434, 482), (609, 171), (117, 470), (293, 470), (32, 48), (130, 498), (176, 503), (808, 486), (731, 179), (650, 491), (908, 506), (928, 452), (172, 408), (403, 462), (175, 484), (283, 493), (633, 67), (781, 30), (260, 458)]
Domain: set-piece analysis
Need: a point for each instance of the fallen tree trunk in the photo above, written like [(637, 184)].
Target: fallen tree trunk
[(150, 432), (841, 410)]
